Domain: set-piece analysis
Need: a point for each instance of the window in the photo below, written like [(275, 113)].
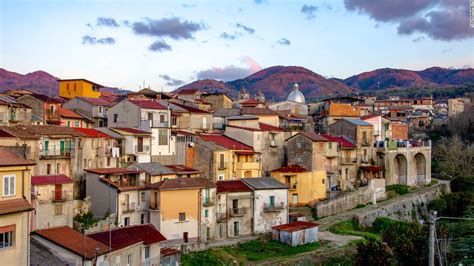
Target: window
[(126, 221), (206, 213), (100, 109), (108, 161), (6, 238), (142, 218), (118, 260), (147, 252), (220, 177), (298, 145), (204, 122), (68, 123), (163, 137), (272, 201), (115, 118), (75, 86), (48, 169), (51, 109), (330, 145), (76, 124), (58, 168), (129, 260), (221, 161), (182, 216), (9, 185), (174, 121), (162, 118), (58, 209)]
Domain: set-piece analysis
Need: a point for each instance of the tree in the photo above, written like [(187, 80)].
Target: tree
[(409, 242), (374, 252)]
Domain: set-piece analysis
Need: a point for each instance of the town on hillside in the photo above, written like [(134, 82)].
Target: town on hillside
[(91, 177)]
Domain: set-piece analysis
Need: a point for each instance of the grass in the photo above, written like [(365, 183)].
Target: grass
[(351, 227), (255, 250), (399, 188), (433, 182)]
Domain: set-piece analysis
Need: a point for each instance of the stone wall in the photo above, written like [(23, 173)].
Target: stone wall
[(411, 207), (164, 159)]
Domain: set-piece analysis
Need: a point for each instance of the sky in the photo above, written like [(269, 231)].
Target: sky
[(166, 44)]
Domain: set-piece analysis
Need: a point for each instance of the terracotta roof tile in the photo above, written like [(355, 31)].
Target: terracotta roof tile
[(165, 252), (70, 114), (132, 131), (182, 183), (14, 206), (148, 104), (73, 241), (345, 143), (190, 109), (224, 141), (294, 168), (90, 132), (188, 91), (295, 226), (262, 127), (310, 135), (131, 235), (232, 186), (9, 158), (182, 169), (35, 131), (97, 101), (50, 179), (113, 171)]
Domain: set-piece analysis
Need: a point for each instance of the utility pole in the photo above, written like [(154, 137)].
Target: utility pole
[(431, 241)]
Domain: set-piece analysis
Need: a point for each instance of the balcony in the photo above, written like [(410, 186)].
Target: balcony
[(237, 212), (60, 196), (223, 165), (248, 166), (142, 148), (206, 202), (53, 115), (332, 153), (154, 206), (292, 186), (128, 207), (365, 142), (349, 160), (221, 217), (55, 154), (273, 207)]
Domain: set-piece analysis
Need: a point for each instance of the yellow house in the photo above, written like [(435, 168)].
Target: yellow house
[(72, 88), (15, 207), (229, 159), (304, 186)]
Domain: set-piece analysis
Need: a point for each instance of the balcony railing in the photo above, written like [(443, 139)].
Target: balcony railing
[(142, 148), (65, 153), (223, 165), (154, 206), (64, 196), (273, 207), (128, 207), (52, 115), (248, 166), (236, 212), (206, 202), (221, 216), (349, 160)]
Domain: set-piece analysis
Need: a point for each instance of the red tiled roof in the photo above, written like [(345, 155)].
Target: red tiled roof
[(70, 114), (90, 132), (311, 135), (148, 104), (366, 117), (126, 236), (182, 169), (132, 130), (190, 109), (97, 101), (251, 102), (112, 171), (262, 127), (50, 179), (224, 141), (73, 241), (293, 168), (165, 252), (182, 183), (9, 158), (232, 186), (345, 143), (14, 206), (295, 226), (188, 91), (5, 134), (45, 98)]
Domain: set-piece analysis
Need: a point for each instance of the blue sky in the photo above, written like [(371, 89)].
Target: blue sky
[(110, 42)]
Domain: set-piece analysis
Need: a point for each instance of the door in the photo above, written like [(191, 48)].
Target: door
[(236, 228), (235, 206), (204, 122), (295, 199), (61, 147), (140, 144), (46, 147), (58, 192), (185, 237)]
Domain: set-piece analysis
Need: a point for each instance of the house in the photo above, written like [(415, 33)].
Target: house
[(191, 222), (149, 116), (296, 233), (270, 204), (189, 94), (219, 117), (132, 245), (335, 109), (53, 200), (304, 186), (72, 88), (120, 192), (13, 112), (94, 109), (264, 115), (15, 207), (45, 107), (183, 170), (457, 106), (382, 127), (185, 148), (263, 138), (189, 118), (70, 245), (222, 158), (155, 172), (218, 100), (234, 209), (361, 132), (135, 147), (70, 118)]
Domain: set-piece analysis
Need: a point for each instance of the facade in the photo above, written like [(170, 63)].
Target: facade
[(218, 100), (46, 108), (304, 186), (12, 112), (70, 118), (135, 146), (270, 205), (382, 127), (94, 109), (222, 158), (192, 222), (296, 233), (190, 118), (53, 200), (234, 209), (335, 109), (457, 105), (155, 172), (118, 191), (15, 208), (72, 88)]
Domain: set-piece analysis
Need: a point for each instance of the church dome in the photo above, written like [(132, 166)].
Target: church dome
[(296, 95)]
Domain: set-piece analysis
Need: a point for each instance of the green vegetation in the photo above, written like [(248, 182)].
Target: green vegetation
[(352, 227), (416, 92), (399, 189), (86, 220), (359, 206), (255, 250)]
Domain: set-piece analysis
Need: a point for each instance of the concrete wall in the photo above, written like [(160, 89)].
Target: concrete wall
[(129, 115), (18, 253), (224, 207), (264, 220), (99, 196)]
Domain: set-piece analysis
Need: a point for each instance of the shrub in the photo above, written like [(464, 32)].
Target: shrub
[(438, 205), (381, 224), (399, 188), (374, 252)]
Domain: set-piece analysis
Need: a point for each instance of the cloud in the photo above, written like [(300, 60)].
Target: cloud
[(231, 72), (108, 22), (159, 46), (446, 50), (418, 39), (227, 36), (171, 81), (284, 42), (93, 40), (259, 2), (309, 11), (189, 5), (173, 28), (240, 30), (444, 20), (245, 28)]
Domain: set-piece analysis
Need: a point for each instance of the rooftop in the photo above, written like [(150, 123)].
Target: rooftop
[(113, 171), (232, 186), (14, 206), (262, 127), (293, 168), (182, 183), (224, 141), (97, 101), (295, 226), (189, 108), (130, 235), (152, 168), (50, 179), (343, 141), (98, 85), (188, 91), (259, 183), (10, 158), (148, 104), (90, 132), (357, 121), (45, 98), (310, 135), (70, 114), (130, 131), (73, 241), (182, 169), (35, 131)]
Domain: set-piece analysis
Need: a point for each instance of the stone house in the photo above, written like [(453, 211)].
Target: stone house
[(12, 112), (42, 106), (218, 100), (234, 209), (189, 94), (382, 126), (70, 118), (189, 118), (335, 109), (134, 147), (96, 150), (270, 205), (155, 172), (94, 109)]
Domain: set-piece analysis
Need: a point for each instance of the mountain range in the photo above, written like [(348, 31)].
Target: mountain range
[(276, 81)]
